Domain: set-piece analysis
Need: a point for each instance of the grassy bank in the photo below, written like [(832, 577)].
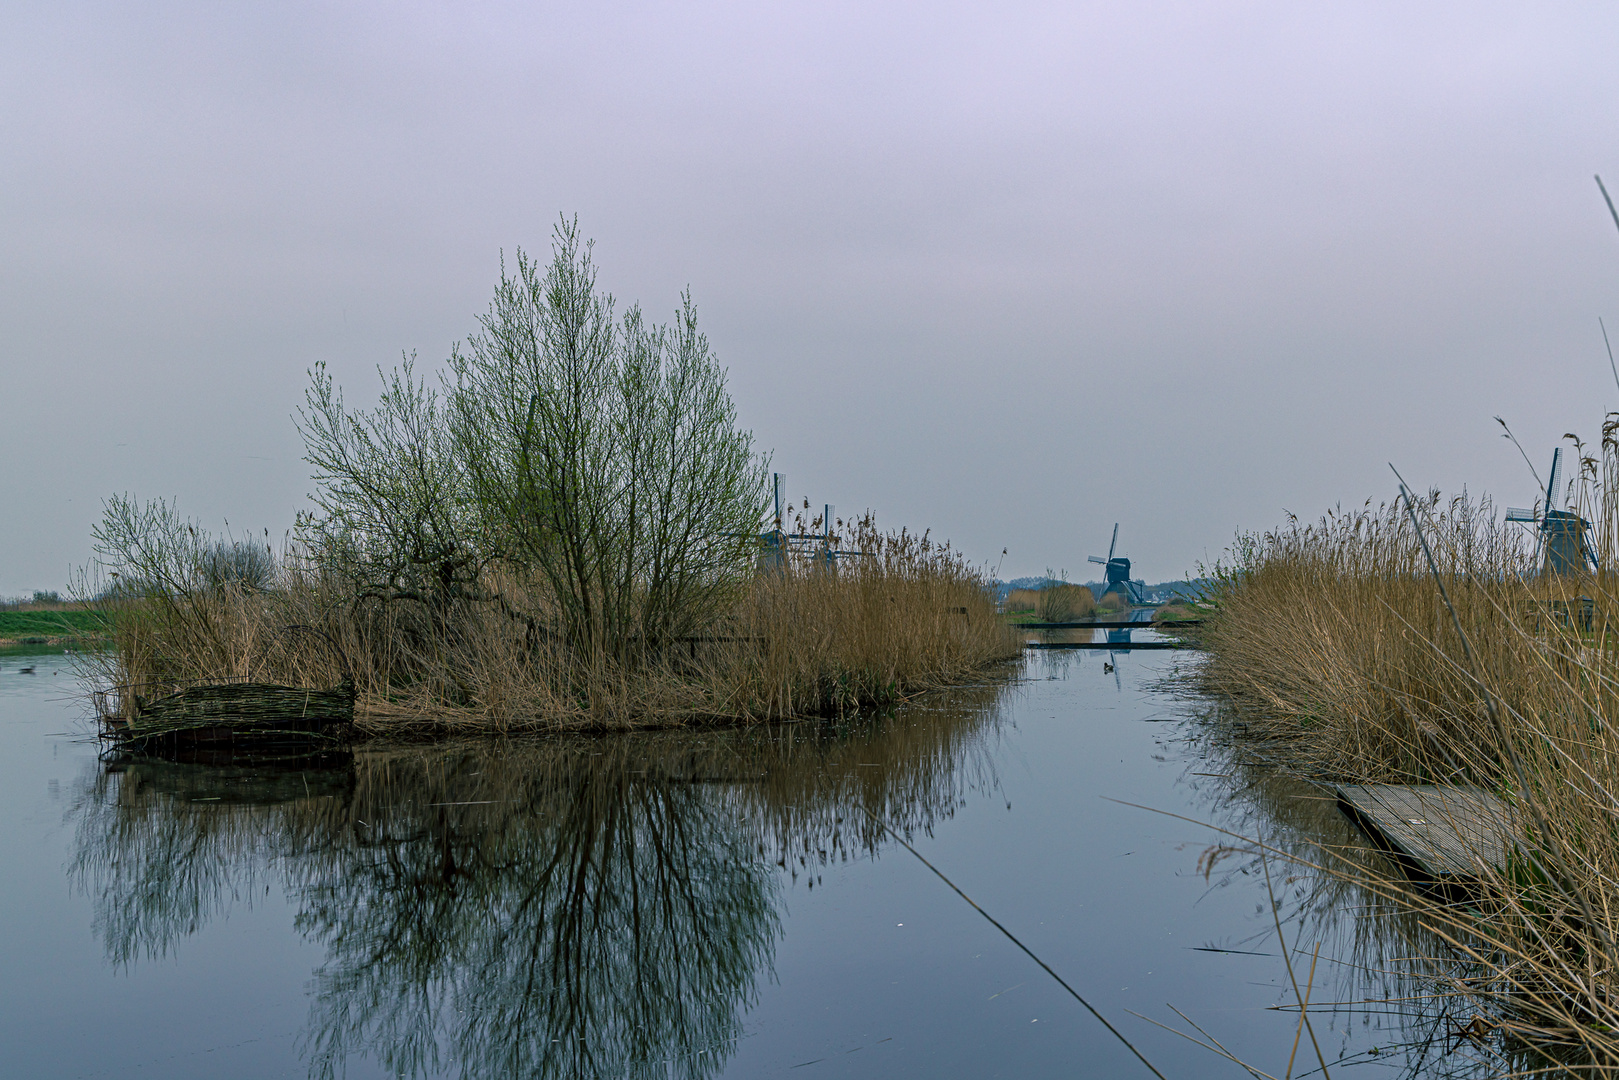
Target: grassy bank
[(1177, 612), (1343, 661), (62, 622), (40, 630), (1337, 642), (903, 617)]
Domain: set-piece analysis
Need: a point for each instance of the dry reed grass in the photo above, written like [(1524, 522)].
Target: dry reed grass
[(1065, 602), (1346, 662), (1336, 639), (905, 616), (1054, 603), (1021, 601), (1111, 603)]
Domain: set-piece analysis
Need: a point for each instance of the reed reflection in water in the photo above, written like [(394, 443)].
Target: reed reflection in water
[(1424, 1005), (567, 907)]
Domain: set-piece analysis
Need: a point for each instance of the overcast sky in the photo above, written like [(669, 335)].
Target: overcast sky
[(1013, 272)]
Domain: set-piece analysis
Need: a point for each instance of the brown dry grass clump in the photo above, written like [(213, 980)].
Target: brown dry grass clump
[(1345, 662), (904, 616), (1065, 602), (1021, 601), (1062, 602)]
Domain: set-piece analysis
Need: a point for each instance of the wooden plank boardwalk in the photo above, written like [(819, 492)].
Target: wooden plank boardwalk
[(1116, 646), (1108, 624), (1443, 833)]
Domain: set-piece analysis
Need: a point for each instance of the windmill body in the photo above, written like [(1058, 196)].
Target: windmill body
[(1566, 549)]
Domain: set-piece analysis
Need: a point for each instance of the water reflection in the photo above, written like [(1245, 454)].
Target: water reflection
[(534, 912), (164, 848), (567, 907)]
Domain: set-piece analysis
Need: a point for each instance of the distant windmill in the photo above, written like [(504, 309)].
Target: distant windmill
[(1562, 533), (1118, 572), (776, 545)]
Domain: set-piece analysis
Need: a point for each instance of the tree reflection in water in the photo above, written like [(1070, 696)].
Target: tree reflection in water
[(578, 906)]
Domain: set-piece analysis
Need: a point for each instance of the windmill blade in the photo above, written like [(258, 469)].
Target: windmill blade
[(1111, 547), (1096, 559), (1553, 496), (1517, 513)]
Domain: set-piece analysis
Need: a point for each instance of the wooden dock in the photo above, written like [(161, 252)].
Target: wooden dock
[(1109, 624), (1440, 833), (1116, 646)]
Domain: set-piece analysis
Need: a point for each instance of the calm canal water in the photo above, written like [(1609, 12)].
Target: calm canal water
[(678, 904)]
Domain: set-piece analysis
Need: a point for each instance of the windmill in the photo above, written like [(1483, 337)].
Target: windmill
[(1562, 532), (1118, 572), (777, 545)]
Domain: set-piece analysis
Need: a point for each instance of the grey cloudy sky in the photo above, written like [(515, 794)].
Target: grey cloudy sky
[(1010, 271)]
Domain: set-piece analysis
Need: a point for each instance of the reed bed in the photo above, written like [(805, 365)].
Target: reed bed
[(1060, 602), (1350, 651), (903, 616), (1021, 601)]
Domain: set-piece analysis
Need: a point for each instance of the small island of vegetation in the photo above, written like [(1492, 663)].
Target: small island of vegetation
[(568, 532)]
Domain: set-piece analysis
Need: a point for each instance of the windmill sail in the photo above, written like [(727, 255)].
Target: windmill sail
[(1554, 496)]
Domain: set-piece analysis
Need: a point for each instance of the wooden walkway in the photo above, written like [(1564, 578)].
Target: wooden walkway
[(1116, 646), (1109, 624), (1442, 833)]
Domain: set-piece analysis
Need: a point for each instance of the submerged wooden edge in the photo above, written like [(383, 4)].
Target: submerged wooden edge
[(1442, 834)]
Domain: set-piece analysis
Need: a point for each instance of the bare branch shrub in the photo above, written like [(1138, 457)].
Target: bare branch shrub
[(605, 457), (394, 515)]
